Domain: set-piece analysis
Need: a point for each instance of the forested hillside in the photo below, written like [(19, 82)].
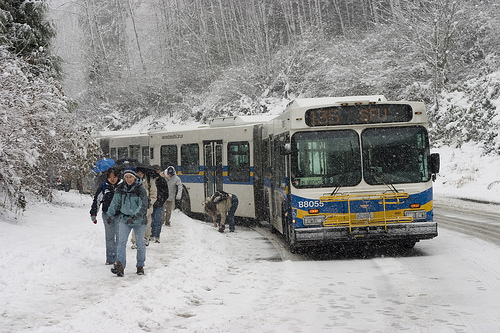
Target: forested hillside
[(178, 60), (70, 68)]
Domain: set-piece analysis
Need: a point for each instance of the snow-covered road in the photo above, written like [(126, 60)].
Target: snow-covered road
[(471, 218), (53, 279)]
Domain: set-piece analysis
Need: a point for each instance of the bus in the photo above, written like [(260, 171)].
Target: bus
[(350, 169), (326, 170), (223, 156)]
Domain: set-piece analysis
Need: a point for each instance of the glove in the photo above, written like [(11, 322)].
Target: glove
[(130, 221), (94, 219), (108, 220)]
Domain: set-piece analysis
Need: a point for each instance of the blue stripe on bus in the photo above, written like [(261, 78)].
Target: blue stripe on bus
[(224, 168), (200, 179), (374, 205), (192, 178), (341, 207)]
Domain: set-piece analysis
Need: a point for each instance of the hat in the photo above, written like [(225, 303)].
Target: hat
[(156, 167), (170, 171), (131, 171)]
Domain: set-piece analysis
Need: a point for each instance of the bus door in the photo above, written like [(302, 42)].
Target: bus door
[(213, 167), (279, 183)]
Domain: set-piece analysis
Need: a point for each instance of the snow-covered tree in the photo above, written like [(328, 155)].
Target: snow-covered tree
[(27, 33), (39, 138)]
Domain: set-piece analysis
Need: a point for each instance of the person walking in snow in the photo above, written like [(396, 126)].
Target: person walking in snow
[(162, 190), (174, 193), (130, 204), (222, 204), (149, 184), (103, 196)]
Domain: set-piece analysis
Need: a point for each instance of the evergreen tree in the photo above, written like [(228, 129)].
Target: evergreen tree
[(28, 34)]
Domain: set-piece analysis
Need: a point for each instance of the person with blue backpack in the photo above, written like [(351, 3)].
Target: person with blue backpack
[(103, 197)]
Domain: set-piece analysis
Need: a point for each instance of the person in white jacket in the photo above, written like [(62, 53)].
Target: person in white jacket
[(174, 193)]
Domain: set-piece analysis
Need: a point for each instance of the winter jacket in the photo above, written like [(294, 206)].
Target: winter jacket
[(223, 202), (162, 188), (174, 188), (104, 195), (151, 191), (130, 203)]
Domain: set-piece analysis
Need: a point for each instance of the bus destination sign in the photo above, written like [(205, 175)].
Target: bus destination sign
[(358, 114)]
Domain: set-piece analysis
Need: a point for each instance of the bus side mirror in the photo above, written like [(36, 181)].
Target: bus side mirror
[(435, 164), (286, 149)]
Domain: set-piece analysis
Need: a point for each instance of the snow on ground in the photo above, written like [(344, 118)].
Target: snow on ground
[(53, 277), (465, 173)]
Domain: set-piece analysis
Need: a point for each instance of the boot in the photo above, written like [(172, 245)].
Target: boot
[(140, 270), (118, 269)]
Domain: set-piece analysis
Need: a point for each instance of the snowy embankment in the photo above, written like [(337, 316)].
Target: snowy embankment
[(466, 174)]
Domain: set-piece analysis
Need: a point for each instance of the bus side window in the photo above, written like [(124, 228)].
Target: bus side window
[(238, 161), (168, 156), (122, 152), (190, 159), (112, 153), (145, 155)]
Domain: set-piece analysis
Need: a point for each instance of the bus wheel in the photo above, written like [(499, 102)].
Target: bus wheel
[(408, 244), (185, 202), (291, 239)]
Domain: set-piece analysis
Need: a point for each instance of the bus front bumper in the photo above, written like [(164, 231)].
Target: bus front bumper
[(397, 231)]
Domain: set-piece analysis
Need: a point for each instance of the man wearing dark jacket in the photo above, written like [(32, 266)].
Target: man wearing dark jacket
[(103, 196), (162, 195)]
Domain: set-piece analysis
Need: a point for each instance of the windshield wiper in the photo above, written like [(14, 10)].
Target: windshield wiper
[(383, 177)]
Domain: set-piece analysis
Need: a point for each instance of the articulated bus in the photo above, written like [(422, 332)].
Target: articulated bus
[(327, 170)]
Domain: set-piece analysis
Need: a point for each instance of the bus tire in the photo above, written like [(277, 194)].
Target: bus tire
[(288, 231), (185, 203), (408, 244)]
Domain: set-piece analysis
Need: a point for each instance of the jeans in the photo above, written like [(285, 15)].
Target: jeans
[(123, 233), (169, 206), (232, 210), (157, 221), (111, 235)]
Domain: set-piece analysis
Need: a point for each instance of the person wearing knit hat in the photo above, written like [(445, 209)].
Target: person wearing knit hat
[(131, 171), (130, 204)]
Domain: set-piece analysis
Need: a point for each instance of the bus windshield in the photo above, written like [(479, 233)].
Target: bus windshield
[(393, 155), (326, 159)]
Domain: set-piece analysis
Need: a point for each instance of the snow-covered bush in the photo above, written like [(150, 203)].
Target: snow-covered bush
[(38, 137)]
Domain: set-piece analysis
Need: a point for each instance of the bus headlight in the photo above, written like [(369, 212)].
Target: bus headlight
[(314, 220), (416, 214)]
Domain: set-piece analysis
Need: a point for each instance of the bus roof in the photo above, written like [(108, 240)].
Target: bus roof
[(317, 102), (240, 120)]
